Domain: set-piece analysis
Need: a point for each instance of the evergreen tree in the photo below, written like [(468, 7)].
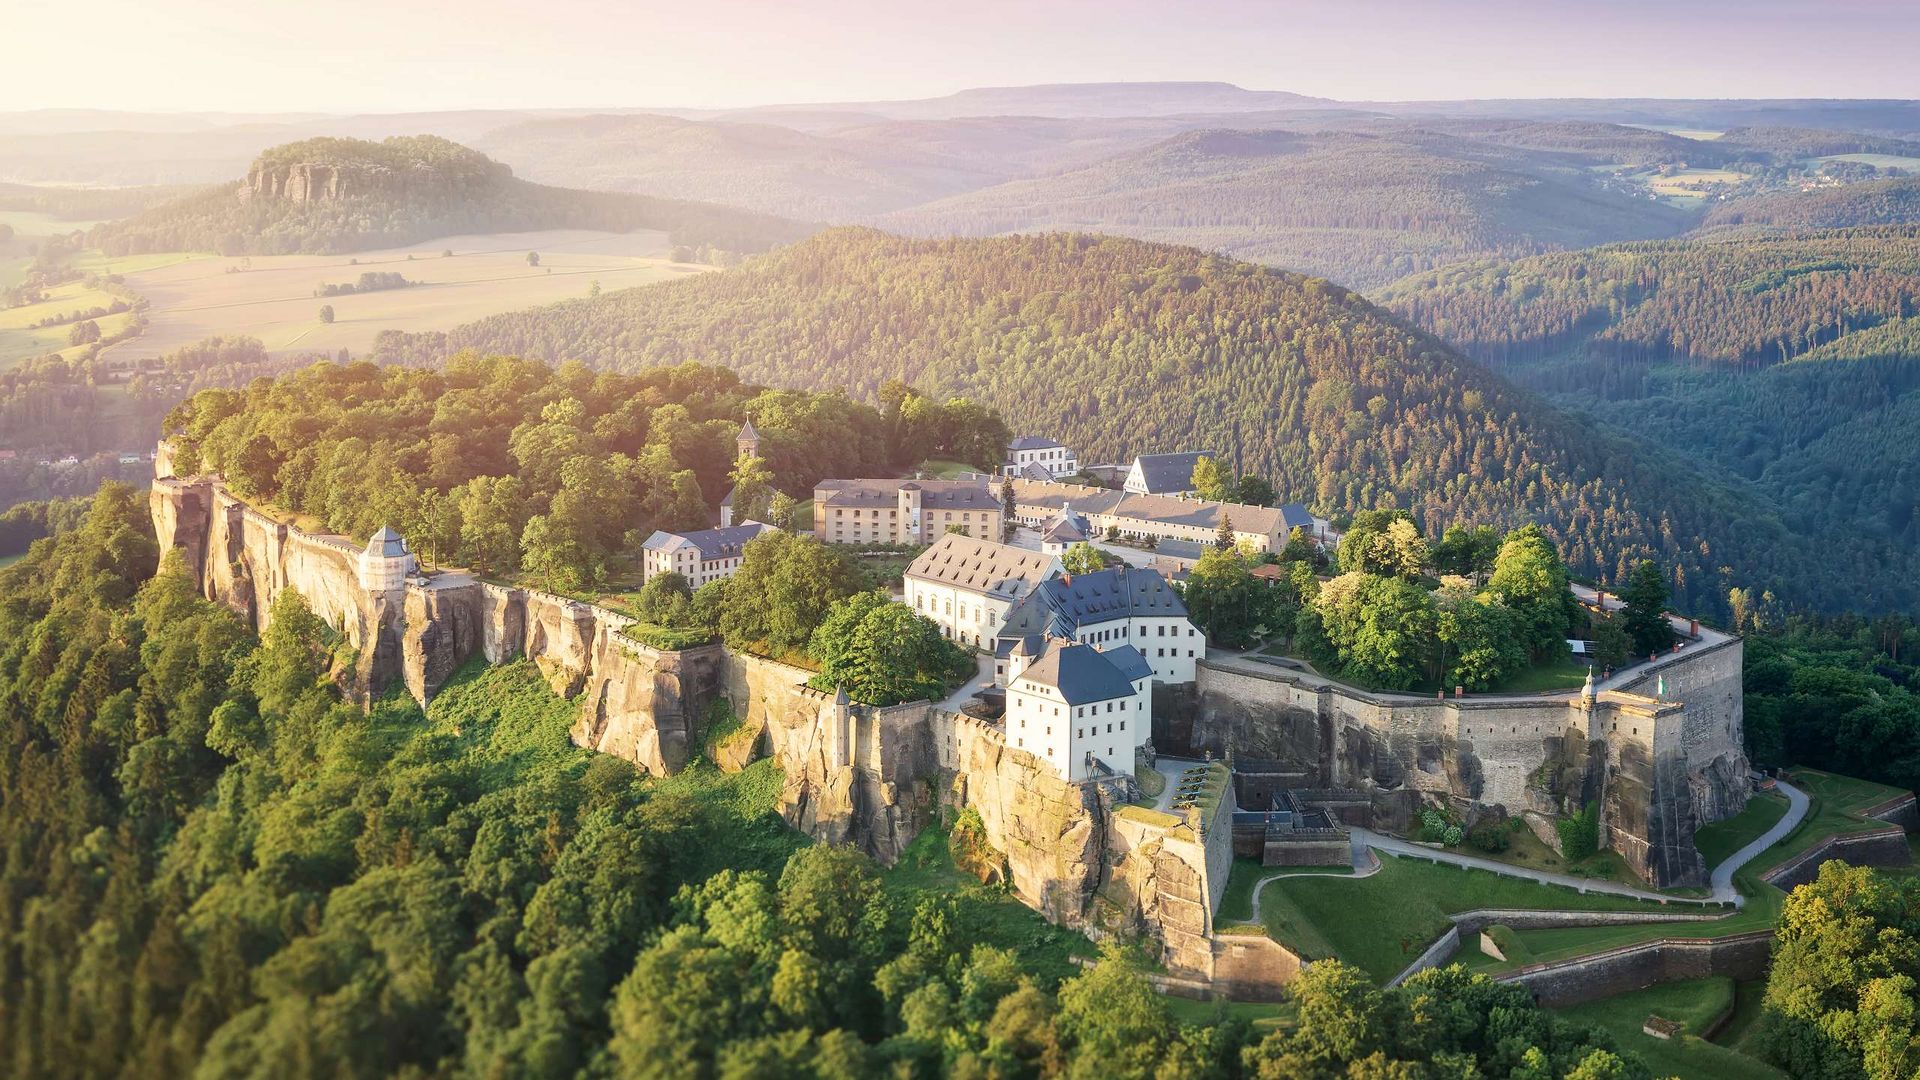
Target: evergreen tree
[(1645, 609)]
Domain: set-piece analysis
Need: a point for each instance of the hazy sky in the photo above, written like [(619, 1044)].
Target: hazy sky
[(396, 55)]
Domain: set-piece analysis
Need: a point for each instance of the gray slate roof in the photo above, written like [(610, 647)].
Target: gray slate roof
[(1067, 527), (934, 494), (1064, 604), (724, 543), (981, 566), (1078, 673), (1033, 442), (387, 544), (1169, 472), (1164, 509)]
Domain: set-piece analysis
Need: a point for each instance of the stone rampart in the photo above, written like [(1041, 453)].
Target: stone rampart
[(1872, 847), (1657, 768), (1633, 967)]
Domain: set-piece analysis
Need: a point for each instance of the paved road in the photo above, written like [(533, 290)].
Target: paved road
[(1395, 846), (982, 680), (1723, 874)]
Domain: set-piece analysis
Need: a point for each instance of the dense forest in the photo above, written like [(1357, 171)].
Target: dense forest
[(1871, 202), (81, 204), (1362, 208), (1120, 347), (329, 196), (499, 463), (215, 867), (1840, 693), (1683, 342)]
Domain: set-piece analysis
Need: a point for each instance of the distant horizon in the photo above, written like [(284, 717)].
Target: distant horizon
[(369, 56), (241, 115)]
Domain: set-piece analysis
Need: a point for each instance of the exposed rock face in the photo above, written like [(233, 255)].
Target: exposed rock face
[(1050, 831)]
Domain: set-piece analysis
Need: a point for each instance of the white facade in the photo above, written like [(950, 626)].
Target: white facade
[(1052, 456), (700, 557), (1066, 734), (967, 585)]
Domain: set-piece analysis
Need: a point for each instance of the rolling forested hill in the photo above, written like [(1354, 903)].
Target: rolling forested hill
[(328, 196), (1788, 361), (1874, 202), (1120, 347), (1362, 208)]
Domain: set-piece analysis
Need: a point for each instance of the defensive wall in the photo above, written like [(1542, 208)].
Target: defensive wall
[(1658, 767)]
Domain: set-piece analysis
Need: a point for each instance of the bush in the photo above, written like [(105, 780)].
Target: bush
[(1491, 837), (1580, 833), (1435, 827)]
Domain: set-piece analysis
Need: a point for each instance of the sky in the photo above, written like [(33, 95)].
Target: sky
[(409, 55)]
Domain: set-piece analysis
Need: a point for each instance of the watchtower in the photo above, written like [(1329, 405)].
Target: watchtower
[(386, 562)]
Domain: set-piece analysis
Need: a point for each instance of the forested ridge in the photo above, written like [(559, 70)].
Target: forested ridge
[(1870, 202), (1361, 208), (408, 190), (216, 868), (1121, 347), (1789, 360)]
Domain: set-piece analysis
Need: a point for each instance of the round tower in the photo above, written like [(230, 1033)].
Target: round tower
[(386, 562)]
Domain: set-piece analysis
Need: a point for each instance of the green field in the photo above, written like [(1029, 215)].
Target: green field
[(1879, 161), (1381, 923), (1728, 835), (946, 469), (1567, 674), (1837, 801), (1697, 1003), (1236, 902)]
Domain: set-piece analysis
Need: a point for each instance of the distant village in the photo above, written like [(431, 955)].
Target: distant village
[(1075, 655)]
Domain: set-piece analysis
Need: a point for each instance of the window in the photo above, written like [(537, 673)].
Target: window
[(1123, 725)]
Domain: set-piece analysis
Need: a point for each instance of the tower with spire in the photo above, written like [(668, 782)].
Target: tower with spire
[(748, 440)]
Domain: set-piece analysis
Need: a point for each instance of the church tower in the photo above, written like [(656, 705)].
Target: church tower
[(748, 441)]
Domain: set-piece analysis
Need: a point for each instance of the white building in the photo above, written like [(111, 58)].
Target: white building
[(1163, 474), (700, 557), (903, 511), (1071, 704), (1048, 454), (1122, 606), (967, 585), (385, 564)]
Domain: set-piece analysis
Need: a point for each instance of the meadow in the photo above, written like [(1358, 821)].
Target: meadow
[(272, 297)]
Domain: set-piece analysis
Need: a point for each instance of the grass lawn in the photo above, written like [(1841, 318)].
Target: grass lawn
[(1384, 921), (1836, 802), (1568, 674), (1236, 903), (1728, 835), (1697, 1003), (803, 516), (1528, 850), (1740, 1032)]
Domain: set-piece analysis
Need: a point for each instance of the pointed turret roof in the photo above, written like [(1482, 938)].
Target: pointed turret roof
[(746, 430), (387, 544)]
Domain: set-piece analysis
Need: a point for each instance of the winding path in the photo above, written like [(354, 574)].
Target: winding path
[(1365, 865), (1722, 877)]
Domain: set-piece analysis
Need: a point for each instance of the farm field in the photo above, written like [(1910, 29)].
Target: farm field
[(1685, 187), (272, 297), (35, 223), (19, 339)]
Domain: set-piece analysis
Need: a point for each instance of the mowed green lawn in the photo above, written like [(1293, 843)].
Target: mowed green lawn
[(1724, 837), (1696, 1003), (1384, 921)]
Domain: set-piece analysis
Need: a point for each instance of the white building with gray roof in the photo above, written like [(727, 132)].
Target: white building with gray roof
[(1121, 606), (1050, 455), (1164, 474), (1071, 704), (701, 556), (967, 585)]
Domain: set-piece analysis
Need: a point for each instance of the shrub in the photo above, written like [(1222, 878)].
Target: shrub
[(668, 638), (1580, 833), (1491, 837)]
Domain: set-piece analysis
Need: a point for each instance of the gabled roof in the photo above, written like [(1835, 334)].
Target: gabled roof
[(1064, 604), (1033, 470), (1079, 674), (1169, 472), (1131, 662), (1034, 442), (982, 566), (724, 543), (1295, 516), (746, 431), (1066, 527)]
